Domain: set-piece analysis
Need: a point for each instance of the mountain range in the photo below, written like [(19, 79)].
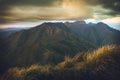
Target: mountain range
[(46, 43), (49, 43), (98, 34)]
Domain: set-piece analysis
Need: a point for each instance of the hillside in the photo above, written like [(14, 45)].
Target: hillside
[(47, 43), (102, 64), (98, 34)]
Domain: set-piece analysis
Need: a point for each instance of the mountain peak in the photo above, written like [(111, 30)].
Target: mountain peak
[(80, 22), (76, 23), (52, 24), (101, 24), (48, 26)]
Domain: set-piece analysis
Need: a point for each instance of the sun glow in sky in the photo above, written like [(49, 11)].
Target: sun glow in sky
[(29, 13)]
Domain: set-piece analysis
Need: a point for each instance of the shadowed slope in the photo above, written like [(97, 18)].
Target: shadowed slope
[(44, 44), (102, 64), (98, 34)]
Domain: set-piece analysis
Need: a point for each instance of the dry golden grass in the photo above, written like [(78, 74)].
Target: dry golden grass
[(103, 63), (102, 52)]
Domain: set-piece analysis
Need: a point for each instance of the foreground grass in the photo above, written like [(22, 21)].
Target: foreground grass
[(102, 64)]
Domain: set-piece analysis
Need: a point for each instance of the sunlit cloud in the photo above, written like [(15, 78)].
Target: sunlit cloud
[(16, 11), (68, 9), (77, 8)]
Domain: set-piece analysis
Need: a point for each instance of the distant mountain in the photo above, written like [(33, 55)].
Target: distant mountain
[(98, 34), (47, 43), (7, 31)]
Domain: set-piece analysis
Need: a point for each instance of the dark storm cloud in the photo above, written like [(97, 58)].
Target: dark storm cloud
[(4, 12), (114, 5), (28, 2), (19, 10), (7, 5)]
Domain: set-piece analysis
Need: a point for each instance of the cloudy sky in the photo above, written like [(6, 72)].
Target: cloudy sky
[(23, 13)]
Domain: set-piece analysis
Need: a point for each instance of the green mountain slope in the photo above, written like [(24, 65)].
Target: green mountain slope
[(44, 44)]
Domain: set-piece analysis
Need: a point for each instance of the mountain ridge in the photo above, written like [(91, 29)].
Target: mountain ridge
[(99, 33), (48, 43), (45, 43)]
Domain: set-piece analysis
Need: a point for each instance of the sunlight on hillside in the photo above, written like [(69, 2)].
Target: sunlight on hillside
[(101, 52), (91, 64)]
